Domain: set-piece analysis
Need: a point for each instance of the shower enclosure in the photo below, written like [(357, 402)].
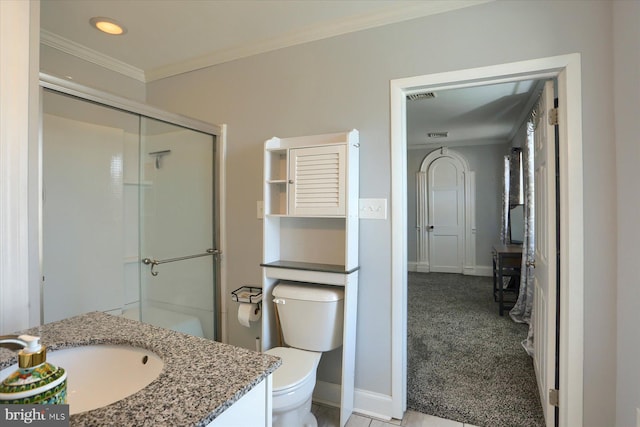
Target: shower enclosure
[(129, 212)]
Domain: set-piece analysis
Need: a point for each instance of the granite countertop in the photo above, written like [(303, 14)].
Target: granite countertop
[(199, 380)]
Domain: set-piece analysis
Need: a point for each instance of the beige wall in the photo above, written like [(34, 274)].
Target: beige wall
[(626, 33), (343, 82)]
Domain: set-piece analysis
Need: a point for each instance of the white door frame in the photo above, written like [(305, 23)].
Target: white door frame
[(423, 263), (566, 68)]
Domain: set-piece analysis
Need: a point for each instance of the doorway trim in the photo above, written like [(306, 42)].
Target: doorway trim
[(566, 68), (423, 263)]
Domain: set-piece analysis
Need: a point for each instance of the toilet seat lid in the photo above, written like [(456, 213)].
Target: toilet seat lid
[(297, 366)]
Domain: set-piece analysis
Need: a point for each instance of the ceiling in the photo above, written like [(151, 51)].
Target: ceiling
[(487, 114), (170, 37)]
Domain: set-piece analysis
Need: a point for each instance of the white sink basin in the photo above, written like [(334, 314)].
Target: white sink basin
[(98, 375)]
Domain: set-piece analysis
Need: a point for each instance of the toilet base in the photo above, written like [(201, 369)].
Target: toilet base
[(297, 417), (310, 421)]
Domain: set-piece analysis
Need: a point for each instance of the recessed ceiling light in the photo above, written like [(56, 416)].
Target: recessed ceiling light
[(107, 25)]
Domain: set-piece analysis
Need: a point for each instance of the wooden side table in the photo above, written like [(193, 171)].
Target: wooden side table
[(507, 262)]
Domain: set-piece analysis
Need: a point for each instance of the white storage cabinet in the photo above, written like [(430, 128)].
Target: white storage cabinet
[(310, 230)]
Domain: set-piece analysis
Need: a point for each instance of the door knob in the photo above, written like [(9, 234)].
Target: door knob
[(431, 227)]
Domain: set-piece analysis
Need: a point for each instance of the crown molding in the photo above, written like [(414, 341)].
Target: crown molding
[(55, 41), (312, 33)]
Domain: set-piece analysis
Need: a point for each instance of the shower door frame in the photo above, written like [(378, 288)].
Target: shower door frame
[(127, 105)]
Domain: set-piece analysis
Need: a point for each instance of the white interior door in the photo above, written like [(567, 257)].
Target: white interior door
[(446, 215), (544, 315)]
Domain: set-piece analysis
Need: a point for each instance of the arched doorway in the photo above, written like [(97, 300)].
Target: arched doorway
[(445, 214)]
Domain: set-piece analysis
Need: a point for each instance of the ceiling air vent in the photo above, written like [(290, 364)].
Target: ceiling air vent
[(423, 95), (438, 134)]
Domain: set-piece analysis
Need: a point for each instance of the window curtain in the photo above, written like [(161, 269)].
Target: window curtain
[(523, 310), (515, 191), (504, 222)]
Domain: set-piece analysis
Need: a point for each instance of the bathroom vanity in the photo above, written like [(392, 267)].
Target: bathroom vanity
[(202, 382)]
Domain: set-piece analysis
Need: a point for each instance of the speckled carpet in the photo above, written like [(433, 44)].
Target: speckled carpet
[(465, 362)]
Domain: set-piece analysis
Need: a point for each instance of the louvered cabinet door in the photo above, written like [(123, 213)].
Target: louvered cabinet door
[(317, 184)]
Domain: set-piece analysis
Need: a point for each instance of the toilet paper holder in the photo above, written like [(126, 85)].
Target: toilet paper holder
[(250, 294), (250, 307)]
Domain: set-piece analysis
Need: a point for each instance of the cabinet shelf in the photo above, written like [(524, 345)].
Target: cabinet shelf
[(319, 217), (310, 266)]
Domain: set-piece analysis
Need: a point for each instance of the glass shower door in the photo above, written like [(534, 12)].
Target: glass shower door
[(176, 191), (84, 209)]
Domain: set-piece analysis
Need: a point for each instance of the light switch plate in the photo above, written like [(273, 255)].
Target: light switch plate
[(260, 209), (372, 209)]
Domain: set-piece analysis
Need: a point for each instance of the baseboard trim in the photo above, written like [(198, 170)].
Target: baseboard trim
[(483, 270), (327, 393), (423, 268), (417, 267), (469, 270), (367, 403), (373, 404)]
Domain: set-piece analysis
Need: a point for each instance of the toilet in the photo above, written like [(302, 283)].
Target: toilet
[(311, 318)]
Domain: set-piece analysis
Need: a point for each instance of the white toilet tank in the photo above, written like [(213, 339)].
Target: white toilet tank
[(311, 316)]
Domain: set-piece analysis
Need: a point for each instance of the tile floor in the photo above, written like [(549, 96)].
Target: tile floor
[(329, 417)]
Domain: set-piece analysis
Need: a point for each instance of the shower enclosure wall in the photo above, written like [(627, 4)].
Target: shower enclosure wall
[(129, 212)]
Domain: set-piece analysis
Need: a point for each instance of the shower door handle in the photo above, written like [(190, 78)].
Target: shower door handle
[(216, 253), (153, 263)]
